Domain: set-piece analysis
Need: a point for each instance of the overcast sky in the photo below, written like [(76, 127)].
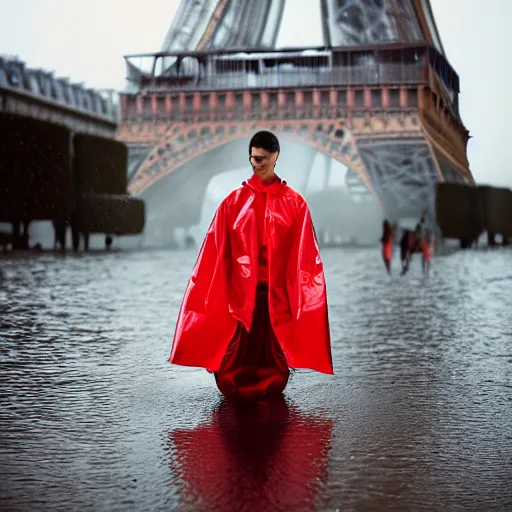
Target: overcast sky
[(86, 39)]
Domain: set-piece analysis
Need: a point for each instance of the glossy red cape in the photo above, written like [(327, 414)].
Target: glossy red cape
[(222, 289)]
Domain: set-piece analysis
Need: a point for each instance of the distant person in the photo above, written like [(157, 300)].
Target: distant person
[(190, 242), (108, 242), (256, 303), (406, 245), (419, 232), (427, 249), (387, 245)]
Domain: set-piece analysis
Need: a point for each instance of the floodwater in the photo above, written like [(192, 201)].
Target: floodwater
[(417, 417)]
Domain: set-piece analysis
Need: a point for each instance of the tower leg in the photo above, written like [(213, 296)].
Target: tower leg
[(327, 171), (15, 234), (307, 177), (59, 229), (86, 241), (75, 236), (26, 224)]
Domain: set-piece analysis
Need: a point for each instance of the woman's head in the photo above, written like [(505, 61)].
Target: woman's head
[(264, 150)]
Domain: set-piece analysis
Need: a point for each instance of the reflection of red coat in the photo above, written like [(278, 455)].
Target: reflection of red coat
[(265, 456), (222, 289)]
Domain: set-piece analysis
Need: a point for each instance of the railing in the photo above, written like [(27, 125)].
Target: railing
[(388, 74), (238, 114), (256, 69)]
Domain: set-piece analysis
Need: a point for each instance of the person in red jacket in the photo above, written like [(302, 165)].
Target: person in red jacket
[(427, 248), (256, 303), (387, 244)]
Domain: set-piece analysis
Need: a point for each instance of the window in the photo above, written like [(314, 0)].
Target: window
[(412, 97), (359, 99), (256, 103), (394, 97), (160, 107), (376, 97), (205, 101)]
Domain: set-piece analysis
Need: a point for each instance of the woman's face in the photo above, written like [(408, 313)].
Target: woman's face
[(263, 162)]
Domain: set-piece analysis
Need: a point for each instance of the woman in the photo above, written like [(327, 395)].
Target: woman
[(427, 248), (256, 303), (387, 245)]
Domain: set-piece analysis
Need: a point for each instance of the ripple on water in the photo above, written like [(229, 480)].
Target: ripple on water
[(417, 417)]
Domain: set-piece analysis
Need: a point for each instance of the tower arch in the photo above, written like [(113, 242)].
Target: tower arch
[(180, 144)]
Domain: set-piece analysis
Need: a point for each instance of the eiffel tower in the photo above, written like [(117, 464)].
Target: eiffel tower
[(379, 96)]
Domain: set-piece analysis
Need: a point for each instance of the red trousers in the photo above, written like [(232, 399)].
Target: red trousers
[(254, 364)]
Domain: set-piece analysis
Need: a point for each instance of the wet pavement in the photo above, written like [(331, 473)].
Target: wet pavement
[(417, 417)]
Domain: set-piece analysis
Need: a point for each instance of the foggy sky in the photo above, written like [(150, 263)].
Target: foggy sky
[(86, 39)]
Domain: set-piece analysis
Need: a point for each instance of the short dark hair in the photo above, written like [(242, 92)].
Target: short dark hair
[(266, 140)]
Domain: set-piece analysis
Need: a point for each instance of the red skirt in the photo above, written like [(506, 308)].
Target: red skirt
[(425, 250), (387, 250), (254, 364)]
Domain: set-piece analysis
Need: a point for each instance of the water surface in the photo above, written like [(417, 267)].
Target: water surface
[(417, 417)]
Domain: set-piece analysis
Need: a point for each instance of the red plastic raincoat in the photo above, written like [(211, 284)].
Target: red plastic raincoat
[(221, 293)]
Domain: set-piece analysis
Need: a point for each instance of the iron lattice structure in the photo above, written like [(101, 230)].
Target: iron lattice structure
[(379, 97), (225, 24)]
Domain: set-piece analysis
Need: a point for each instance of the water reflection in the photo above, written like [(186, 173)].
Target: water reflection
[(417, 417), (262, 455)]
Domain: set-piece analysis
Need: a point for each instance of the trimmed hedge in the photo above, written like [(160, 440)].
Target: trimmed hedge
[(458, 211), (40, 181), (464, 212), (112, 214), (100, 164), (497, 209), (36, 180)]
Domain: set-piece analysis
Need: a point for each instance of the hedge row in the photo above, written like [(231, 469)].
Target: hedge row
[(464, 211), (46, 171)]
